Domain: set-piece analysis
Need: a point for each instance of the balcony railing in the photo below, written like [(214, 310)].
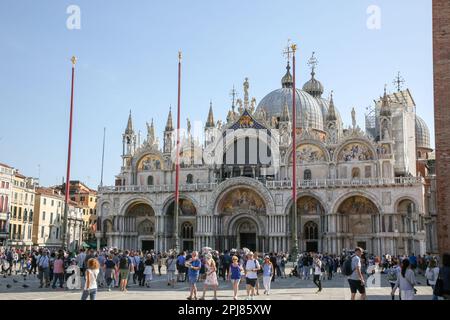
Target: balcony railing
[(287, 184), (336, 183)]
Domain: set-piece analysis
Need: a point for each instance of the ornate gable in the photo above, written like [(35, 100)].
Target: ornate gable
[(247, 121)]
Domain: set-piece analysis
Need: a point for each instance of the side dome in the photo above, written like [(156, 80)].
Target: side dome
[(422, 134), (314, 87), (309, 113)]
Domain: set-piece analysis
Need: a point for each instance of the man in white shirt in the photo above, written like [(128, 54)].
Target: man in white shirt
[(251, 267), (356, 280), (43, 264)]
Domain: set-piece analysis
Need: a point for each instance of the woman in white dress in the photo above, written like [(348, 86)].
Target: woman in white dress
[(148, 270), (211, 276)]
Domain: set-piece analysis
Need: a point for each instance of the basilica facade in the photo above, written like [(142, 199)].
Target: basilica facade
[(355, 187)]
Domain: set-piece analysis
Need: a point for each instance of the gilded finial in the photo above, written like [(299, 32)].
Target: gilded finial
[(74, 60), (294, 47)]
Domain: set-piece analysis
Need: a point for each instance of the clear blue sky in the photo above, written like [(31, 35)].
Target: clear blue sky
[(128, 60)]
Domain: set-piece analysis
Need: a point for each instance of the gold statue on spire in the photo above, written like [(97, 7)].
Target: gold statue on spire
[(74, 60)]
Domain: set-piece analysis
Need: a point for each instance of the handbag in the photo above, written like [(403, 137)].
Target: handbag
[(439, 287)]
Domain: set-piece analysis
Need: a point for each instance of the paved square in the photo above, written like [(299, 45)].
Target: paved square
[(282, 289)]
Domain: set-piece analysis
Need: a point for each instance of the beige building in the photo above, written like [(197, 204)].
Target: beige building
[(86, 199), (48, 221), (6, 173), (49, 209), (22, 211)]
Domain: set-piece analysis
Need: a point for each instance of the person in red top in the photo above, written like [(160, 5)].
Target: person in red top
[(58, 271)]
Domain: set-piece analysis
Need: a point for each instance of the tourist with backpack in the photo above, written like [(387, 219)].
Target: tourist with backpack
[(251, 267), (140, 273), (110, 271), (125, 266), (171, 263), (392, 275), (432, 274), (43, 264), (317, 267), (352, 269)]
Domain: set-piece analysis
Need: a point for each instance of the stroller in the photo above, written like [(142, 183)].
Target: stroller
[(294, 272)]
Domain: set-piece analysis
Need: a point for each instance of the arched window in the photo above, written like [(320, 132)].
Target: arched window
[(187, 230), (311, 231), (25, 215), (1, 204), (150, 180), (31, 215), (356, 173), (190, 179), (307, 175)]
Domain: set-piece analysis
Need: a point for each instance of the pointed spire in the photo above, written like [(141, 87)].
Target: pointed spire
[(150, 133), (285, 117), (331, 116), (210, 121), (385, 105), (287, 81), (129, 129), (169, 125), (152, 129)]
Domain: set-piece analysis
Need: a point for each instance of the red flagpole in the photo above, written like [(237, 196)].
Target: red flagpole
[(294, 153), (69, 154), (177, 164)]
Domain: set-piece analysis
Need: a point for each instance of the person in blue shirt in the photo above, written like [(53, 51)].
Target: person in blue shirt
[(194, 266), (181, 259), (413, 261)]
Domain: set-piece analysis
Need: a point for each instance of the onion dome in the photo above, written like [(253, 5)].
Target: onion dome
[(422, 134)]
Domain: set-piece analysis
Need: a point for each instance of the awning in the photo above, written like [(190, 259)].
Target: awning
[(85, 245)]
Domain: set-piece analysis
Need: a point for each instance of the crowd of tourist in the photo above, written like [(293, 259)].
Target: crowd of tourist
[(112, 268)]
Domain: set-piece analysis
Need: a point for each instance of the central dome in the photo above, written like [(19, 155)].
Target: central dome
[(309, 113)]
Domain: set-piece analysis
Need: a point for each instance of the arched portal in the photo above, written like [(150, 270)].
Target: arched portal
[(359, 220), (139, 224), (310, 212), (411, 222), (245, 233), (187, 236), (186, 223)]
